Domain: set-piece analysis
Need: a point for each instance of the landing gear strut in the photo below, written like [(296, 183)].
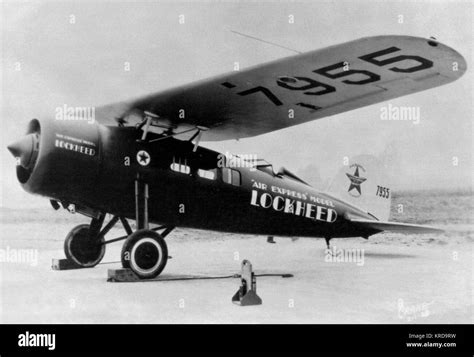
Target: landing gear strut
[(144, 252), (85, 244)]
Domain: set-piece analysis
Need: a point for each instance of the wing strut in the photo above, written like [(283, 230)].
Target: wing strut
[(147, 118), (198, 134)]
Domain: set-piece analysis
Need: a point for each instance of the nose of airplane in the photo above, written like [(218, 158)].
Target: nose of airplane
[(23, 149)]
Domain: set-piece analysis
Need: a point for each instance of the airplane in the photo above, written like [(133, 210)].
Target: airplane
[(142, 160)]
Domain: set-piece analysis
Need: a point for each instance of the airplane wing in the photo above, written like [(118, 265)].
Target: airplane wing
[(298, 89), (396, 227)]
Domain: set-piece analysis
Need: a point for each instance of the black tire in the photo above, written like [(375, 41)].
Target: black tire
[(82, 249), (146, 253)]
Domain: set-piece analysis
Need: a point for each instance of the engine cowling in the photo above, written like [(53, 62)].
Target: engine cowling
[(59, 159)]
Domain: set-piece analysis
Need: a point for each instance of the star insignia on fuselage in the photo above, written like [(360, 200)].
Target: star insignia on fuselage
[(143, 158), (356, 180)]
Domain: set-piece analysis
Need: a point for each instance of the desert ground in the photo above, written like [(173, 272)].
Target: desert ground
[(398, 279)]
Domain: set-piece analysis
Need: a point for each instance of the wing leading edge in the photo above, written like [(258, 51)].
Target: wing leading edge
[(300, 88)]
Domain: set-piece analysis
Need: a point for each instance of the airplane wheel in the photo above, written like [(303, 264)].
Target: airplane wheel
[(146, 253), (83, 249)]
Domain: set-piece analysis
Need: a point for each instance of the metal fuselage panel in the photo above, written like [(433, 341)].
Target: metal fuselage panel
[(259, 203), (96, 166)]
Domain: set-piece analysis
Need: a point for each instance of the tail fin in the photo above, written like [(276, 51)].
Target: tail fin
[(363, 183)]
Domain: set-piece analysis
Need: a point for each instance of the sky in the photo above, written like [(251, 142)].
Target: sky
[(74, 53)]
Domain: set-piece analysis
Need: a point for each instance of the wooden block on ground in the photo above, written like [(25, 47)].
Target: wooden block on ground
[(121, 275), (64, 264)]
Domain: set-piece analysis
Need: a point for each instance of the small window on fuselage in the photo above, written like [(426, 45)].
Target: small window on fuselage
[(179, 166), (231, 176), (207, 174)]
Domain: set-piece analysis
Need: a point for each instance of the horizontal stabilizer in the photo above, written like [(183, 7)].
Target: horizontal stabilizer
[(396, 227)]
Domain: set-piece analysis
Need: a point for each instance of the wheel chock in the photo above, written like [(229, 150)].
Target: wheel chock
[(122, 275), (247, 293), (64, 264)]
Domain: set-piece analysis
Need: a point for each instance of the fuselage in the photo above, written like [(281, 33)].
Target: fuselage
[(96, 166)]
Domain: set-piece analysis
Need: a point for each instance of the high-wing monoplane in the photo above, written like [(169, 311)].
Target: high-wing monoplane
[(142, 159)]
